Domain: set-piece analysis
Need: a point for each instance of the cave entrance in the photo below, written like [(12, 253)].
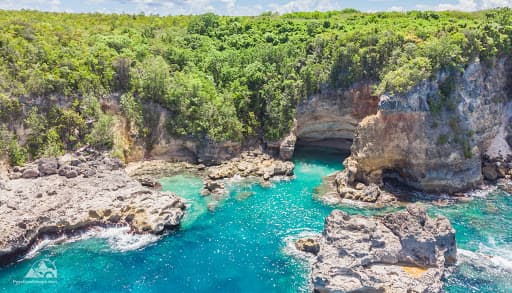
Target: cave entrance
[(320, 152), (340, 145)]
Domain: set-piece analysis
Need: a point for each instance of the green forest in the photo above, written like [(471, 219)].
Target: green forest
[(222, 78)]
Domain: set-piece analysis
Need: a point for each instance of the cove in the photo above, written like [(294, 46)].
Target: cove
[(242, 243)]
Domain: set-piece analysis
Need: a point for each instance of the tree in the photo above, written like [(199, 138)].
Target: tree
[(122, 68), (37, 125), (152, 79)]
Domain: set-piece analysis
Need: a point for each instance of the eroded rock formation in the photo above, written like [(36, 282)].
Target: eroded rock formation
[(402, 252), (433, 137), (73, 193), (330, 119)]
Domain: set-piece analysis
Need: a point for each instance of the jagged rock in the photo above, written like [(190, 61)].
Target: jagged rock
[(403, 252), (212, 185), (309, 245), (251, 165), (88, 172), (365, 193), (255, 164), (401, 142), (287, 144), (30, 173), (69, 171), (149, 182), (501, 170), (490, 172), (72, 174), (15, 175), (60, 205), (48, 166)]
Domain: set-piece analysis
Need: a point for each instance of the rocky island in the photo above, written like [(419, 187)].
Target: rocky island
[(405, 251)]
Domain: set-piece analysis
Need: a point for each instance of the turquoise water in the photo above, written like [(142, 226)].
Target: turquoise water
[(240, 242)]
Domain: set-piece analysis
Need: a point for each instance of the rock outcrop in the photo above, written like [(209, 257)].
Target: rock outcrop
[(284, 148), (406, 251), (93, 190), (249, 164), (432, 138)]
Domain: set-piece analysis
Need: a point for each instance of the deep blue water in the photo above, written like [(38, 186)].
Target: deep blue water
[(241, 243)]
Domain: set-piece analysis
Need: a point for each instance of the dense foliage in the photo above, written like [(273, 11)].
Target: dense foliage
[(224, 78)]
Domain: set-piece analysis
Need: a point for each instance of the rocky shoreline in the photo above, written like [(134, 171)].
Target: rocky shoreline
[(250, 164), (67, 195), (51, 197), (406, 251)]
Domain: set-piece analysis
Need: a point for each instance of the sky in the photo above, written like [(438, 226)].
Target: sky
[(244, 7)]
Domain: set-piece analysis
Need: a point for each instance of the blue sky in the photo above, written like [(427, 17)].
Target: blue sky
[(244, 7)]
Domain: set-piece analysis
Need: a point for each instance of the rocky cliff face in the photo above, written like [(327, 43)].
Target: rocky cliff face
[(330, 119), (402, 252), (160, 145), (433, 137)]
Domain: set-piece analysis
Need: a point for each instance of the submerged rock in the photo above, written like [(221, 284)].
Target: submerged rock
[(308, 245), (406, 251)]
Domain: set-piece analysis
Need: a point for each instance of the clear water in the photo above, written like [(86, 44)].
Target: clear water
[(242, 243)]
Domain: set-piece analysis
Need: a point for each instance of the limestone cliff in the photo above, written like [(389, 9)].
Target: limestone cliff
[(433, 137), (330, 119)]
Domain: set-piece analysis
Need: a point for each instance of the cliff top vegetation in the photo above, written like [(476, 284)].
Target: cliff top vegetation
[(225, 78)]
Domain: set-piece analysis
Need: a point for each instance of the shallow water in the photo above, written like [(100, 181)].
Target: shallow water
[(242, 243)]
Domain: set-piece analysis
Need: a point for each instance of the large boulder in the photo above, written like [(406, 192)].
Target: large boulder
[(48, 166), (403, 252), (30, 173), (490, 173)]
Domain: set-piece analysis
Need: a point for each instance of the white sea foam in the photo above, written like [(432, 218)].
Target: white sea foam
[(119, 239), (293, 235), (489, 258)]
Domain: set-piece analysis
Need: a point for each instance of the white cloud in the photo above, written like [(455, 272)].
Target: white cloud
[(52, 5), (397, 8), (486, 4), (467, 5), (305, 5), (237, 7)]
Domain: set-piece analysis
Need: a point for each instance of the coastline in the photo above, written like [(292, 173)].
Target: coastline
[(53, 205)]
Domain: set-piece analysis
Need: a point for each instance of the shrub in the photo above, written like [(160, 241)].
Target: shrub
[(405, 77), (442, 139), (53, 146), (17, 154), (37, 124), (132, 110), (102, 134)]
